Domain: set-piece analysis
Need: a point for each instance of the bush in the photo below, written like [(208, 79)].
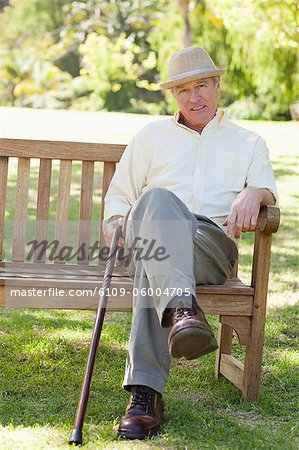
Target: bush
[(246, 108)]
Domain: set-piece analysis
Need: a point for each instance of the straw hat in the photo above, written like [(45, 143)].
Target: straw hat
[(190, 63)]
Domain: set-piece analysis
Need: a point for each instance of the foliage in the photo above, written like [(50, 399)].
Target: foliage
[(30, 18), (263, 38), (110, 74), (165, 40), (28, 74), (28, 79), (112, 54), (117, 66), (246, 108)]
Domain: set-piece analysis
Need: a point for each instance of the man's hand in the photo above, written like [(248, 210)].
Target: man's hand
[(245, 210), (109, 228)]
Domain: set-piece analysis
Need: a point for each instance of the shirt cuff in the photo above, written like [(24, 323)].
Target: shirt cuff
[(115, 209)]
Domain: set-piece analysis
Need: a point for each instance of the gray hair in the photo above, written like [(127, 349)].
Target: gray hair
[(216, 81)]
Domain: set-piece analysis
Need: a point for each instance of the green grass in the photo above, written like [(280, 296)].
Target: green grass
[(43, 356)]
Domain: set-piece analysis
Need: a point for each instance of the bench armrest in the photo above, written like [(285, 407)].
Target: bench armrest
[(267, 223), (268, 219)]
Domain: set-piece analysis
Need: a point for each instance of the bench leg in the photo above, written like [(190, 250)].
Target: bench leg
[(252, 371), (226, 364), (254, 351), (225, 335), (245, 377)]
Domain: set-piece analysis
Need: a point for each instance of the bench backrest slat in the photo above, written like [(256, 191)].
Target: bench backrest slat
[(3, 188), (80, 151), (63, 199), (21, 208), (87, 181), (51, 168), (43, 200), (109, 169)]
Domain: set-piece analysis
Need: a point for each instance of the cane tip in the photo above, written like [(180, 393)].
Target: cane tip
[(76, 437)]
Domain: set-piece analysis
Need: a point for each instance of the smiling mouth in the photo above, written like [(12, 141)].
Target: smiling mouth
[(198, 108)]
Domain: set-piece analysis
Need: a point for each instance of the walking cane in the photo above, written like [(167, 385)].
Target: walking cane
[(76, 434)]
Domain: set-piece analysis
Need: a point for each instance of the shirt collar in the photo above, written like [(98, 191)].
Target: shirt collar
[(218, 121)]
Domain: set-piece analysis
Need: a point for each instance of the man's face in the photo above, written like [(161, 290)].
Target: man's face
[(197, 101)]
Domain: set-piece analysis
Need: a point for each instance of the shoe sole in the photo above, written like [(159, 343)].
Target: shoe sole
[(192, 342), (140, 436)]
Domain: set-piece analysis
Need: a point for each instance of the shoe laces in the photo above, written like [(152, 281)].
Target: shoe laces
[(185, 313), (141, 396)]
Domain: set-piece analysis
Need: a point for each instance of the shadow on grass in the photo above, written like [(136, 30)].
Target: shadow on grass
[(42, 370), (41, 374), (285, 172)]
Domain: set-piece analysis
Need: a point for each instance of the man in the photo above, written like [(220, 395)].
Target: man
[(191, 185)]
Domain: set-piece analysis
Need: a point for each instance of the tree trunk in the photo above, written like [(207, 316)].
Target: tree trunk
[(184, 7)]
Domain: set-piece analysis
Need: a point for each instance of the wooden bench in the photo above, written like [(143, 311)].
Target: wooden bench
[(49, 163)]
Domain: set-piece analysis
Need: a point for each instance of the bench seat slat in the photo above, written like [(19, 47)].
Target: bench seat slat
[(40, 272), (220, 304), (42, 267)]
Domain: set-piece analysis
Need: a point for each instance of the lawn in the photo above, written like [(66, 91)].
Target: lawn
[(43, 356)]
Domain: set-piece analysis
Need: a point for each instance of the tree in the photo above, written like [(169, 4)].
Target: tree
[(184, 6), (110, 22), (262, 35), (63, 41)]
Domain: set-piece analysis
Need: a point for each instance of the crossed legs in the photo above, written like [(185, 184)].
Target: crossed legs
[(196, 251)]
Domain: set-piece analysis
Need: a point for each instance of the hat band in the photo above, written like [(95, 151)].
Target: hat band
[(192, 72)]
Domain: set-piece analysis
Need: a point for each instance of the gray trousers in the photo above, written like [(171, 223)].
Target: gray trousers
[(193, 250)]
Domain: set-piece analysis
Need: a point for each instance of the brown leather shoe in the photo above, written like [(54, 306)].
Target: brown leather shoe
[(144, 414), (191, 335)]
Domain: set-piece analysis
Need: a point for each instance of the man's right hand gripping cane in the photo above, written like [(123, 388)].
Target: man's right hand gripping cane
[(109, 227)]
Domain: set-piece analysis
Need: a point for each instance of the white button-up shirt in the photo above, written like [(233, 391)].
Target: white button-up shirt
[(206, 171)]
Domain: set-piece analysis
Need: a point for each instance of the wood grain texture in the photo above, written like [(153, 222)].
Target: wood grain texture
[(89, 278), (268, 219), (63, 198), (225, 336), (231, 286), (87, 179), (233, 370), (255, 257), (234, 271), (43, 200), (78, 151), (67, 269), (3, 189), (109, 169), (254, 352), (242, 306), (241, 325), (21, 206)]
